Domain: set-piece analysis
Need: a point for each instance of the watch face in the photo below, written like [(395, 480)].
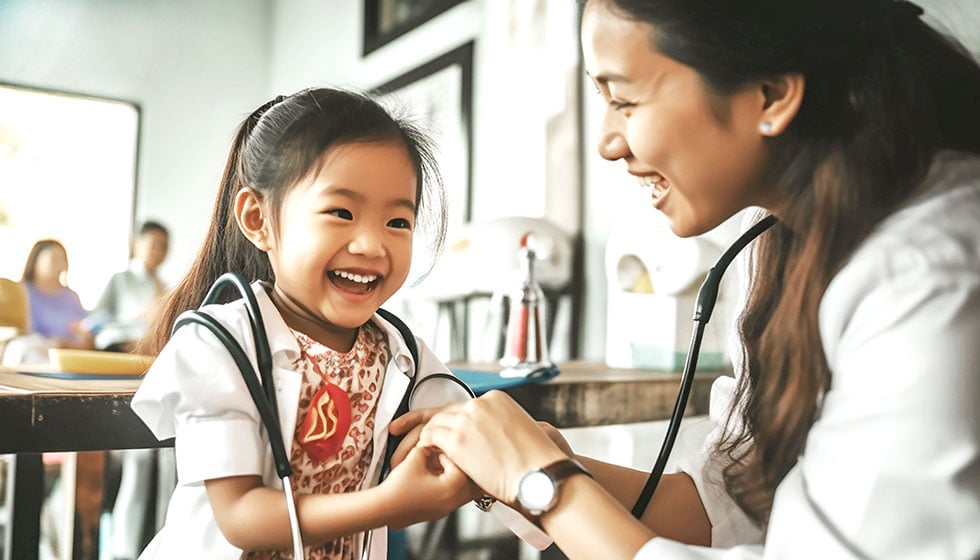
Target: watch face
[(536, 491)]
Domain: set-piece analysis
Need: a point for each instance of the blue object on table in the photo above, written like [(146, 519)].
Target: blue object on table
[(482, 381)]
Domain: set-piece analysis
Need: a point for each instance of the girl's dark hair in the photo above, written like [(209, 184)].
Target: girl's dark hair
[(884, 93), (30, 266), (276, 146)]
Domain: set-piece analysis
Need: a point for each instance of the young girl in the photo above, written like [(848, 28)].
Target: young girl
[(852, 426), (318, 206)]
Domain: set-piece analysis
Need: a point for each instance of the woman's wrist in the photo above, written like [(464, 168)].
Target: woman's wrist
[(584, 502)]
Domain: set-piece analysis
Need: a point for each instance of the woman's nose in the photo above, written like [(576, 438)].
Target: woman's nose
[(612, 143)]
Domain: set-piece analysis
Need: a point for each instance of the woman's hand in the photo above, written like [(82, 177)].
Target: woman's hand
[(426, 485), (556, 438), (493, 440), (410, 424)]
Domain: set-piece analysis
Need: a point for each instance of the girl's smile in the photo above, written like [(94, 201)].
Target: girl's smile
[(355, 282)]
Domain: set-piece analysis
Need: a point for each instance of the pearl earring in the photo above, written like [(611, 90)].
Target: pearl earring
[(765, 127)]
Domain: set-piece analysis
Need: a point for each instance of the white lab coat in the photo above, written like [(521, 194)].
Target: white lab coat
[(194, 392), (891, 467)]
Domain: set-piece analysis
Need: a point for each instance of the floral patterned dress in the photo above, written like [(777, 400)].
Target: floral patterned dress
[(333, 442)]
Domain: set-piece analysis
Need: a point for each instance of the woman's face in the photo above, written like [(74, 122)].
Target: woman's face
[(51, 265), (700, 153)]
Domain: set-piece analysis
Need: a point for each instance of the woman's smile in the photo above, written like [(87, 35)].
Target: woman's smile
[(658, 185)]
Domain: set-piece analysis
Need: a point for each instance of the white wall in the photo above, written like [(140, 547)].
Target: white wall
[(197, 67)]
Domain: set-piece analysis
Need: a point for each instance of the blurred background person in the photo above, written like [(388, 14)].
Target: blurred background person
[(55, 312), (124, 310)]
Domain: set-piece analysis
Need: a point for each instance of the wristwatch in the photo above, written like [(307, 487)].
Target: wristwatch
[(537, 491)]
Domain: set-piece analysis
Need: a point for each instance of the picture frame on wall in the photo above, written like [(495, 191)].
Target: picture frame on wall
[(438, 97), (386, 20)]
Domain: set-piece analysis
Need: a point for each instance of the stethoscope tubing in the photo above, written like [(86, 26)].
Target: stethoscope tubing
[(707, 296), (261, 387)]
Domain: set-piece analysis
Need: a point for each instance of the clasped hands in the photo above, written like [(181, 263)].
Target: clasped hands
[(474, 448)]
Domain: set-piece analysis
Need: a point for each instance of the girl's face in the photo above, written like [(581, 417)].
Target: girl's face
[(700, 153), (51, 265), (343, 244)]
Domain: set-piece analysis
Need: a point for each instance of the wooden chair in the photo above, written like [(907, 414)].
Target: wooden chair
[(14, 314)]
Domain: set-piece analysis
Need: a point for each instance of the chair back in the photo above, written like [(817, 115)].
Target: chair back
[(14, 306)]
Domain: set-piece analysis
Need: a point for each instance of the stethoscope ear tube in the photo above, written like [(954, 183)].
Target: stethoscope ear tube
[(260, 386), (707, 296), (266, 412), (263, 354)]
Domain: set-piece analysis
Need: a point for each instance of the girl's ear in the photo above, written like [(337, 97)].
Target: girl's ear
[(251, 218), (782, 98)]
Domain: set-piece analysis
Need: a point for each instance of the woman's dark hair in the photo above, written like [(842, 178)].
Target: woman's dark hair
[(884, 92), (30, 266), (276, 146)]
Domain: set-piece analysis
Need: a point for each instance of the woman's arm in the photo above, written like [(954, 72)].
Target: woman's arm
[(675, 511), (473, 436), (254, 517)]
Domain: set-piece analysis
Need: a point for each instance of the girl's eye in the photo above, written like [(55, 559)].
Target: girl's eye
[(400, 223), (341, 213)]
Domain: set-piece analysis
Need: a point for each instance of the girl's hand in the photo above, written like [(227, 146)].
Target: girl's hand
[(426, 485), (410, 424), (493, 440)]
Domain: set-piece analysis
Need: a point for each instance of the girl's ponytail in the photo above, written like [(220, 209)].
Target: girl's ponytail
[(224, 249), (278, 145)]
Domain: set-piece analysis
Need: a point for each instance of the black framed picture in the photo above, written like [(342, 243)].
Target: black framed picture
[(385, 20), (439, 96)]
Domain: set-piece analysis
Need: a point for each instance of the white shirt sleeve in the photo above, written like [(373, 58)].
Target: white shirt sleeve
[(194, 391)]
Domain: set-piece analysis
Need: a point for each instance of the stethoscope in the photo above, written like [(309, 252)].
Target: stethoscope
[(704, 305), (432, 391)]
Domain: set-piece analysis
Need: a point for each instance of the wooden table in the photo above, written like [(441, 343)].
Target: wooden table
[(39, 414)]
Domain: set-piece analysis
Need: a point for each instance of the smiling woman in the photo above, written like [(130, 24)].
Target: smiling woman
[(65, 158)]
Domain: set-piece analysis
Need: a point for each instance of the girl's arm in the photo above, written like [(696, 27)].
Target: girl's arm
[(254, 517)]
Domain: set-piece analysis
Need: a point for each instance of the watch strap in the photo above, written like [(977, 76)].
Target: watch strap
[(558, 472), (564, 468)]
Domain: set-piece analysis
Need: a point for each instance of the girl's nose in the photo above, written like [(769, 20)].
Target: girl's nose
[(612, 143), (367, 242)]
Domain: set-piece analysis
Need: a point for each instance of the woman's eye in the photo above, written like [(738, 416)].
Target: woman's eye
[(619, 105), (341, 213), (400, 223)]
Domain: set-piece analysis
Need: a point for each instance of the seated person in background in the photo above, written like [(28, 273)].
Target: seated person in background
[(125, 307), (56, 312)]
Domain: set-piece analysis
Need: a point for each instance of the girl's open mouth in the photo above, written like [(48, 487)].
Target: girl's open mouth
[(354, 283)]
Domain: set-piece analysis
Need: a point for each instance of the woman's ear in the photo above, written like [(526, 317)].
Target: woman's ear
[(782, 98), (251, 218)]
